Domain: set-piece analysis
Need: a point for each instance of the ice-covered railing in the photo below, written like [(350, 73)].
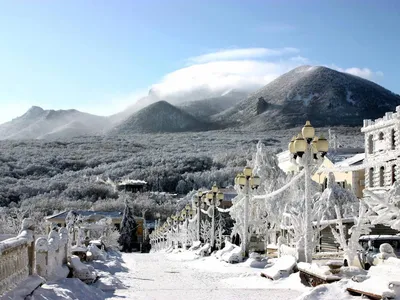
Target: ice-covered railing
[(52, 253), (17, 256)]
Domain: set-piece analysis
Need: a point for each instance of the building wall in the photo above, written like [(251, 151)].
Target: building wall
[(353, 180), (358, 182), (382, 142)]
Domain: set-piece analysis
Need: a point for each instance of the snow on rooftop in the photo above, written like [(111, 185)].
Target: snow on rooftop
[(132, 182), (355, 159), (86, 213), (380, 237)]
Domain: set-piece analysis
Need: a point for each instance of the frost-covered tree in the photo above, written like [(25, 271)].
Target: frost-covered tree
[(205, 231), (334, 196), (262, 213), (266, 166), (386, 206), (361, 226), (127, 238), (192, 229), (12, 218), (295, 219), (219, 230)]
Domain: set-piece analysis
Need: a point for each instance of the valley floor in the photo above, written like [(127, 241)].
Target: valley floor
[(182, 276)]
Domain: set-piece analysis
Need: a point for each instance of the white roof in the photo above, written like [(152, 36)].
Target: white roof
[(380, 237), (351, 160), (131, 181)]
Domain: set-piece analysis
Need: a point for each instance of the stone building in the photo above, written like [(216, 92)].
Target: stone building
[(382, 150)]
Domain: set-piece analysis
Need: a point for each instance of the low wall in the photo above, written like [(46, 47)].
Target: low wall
[(17, 259), (22, 256), (51, 254)]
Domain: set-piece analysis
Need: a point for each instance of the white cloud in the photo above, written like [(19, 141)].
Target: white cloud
[(218, 76), (207, 75), (361, 72), (244, 53), (244, 69)]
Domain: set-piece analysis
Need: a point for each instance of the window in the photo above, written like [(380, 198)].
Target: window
[(370, 144), (393, 140), (393, 174), (381, 176), (381, 136), (371, 177), (342, 184)]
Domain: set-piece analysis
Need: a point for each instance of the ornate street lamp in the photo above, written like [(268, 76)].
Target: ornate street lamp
[(308, 151), (213, 199), (197, 204), (247, 182)]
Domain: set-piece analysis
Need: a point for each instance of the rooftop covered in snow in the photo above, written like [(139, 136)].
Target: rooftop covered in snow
[(89, 214)]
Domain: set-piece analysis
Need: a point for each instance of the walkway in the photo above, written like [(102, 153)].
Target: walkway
[(161, 277)]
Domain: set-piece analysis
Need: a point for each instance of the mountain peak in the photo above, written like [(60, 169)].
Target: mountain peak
[(35, 109), (38, 123), (324, 96), (161, 117), (33, 112), (161, 103)]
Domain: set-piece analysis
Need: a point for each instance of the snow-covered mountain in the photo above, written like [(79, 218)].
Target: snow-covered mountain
[(160, 117), (322, 95), (206, 108), (202, 99), (38, 123)]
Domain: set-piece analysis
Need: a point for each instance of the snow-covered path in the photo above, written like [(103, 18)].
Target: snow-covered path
[(165, 276)]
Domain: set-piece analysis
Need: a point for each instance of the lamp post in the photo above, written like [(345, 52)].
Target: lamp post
[(248, 182), (170, 230), (176, 219), (307, 151), (186, 214), (197, 203), (213, 199)]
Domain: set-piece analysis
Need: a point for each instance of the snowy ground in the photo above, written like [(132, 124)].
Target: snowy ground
[(182, 276)]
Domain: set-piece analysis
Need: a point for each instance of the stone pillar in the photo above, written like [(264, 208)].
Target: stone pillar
[(53, 246), (64, 244), (42, 257), (27, 232)]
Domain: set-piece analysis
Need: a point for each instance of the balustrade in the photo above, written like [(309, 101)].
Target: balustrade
[(22, 256), (17, 258)]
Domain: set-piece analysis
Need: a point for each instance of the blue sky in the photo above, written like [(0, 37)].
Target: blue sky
[(100, 56)]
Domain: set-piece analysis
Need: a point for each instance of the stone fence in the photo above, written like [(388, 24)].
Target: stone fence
[(52, 254), (17, 258), (22, 256)]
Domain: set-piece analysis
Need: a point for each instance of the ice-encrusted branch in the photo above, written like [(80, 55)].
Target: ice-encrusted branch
[(282, 189)]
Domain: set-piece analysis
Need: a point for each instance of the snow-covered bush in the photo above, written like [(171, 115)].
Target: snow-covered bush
[(228, 247), (233, 256)]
